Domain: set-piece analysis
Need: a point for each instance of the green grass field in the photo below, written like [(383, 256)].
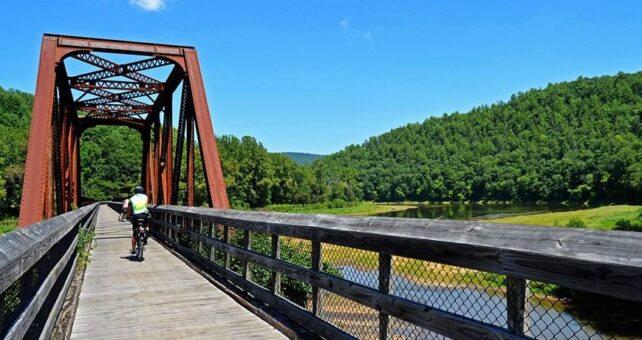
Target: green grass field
[(360, 208), (596, 218), (8, 225)]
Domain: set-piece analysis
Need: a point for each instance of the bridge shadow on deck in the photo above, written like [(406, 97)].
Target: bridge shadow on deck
[(159, 298)]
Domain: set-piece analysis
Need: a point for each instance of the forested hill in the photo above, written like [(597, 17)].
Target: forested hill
[(302, 158), (15, 117), (577, 141)]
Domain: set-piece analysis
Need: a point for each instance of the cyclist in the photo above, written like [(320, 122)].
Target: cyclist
[(138, 206)]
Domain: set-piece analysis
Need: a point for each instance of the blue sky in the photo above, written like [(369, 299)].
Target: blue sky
[(316, 76)]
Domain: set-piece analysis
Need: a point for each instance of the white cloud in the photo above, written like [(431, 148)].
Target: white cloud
[(149, 5), (344, 23), (354, 33)]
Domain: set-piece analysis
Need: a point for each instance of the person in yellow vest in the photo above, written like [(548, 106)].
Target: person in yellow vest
[(138, 208)]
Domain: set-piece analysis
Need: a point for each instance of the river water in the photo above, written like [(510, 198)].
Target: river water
[(477, 211), (546, 317)]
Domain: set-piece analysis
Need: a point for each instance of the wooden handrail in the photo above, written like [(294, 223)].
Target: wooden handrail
[(49, 247), (606, 262)]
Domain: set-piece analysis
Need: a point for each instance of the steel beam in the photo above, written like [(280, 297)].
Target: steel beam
[(207, 141), (144, 171), (189, 199), (180, 137), (32, 208)]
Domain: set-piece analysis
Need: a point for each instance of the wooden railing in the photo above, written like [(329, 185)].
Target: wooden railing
[(396, 277), (37, 264)]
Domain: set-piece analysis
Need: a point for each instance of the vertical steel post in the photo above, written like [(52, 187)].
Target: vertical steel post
[(166, 156), (144, 171), (34, 203), (155, 180), (190, 159), (180, 138), (207, 141)]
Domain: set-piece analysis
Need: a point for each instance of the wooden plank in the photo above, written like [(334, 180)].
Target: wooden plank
[(515, 304), (247, 244), (226, 239), (23, 322), (21, 249), (385, 267), (275, 279), (53, 314), (298, 315), (573, 258), (442, 322), (316, 266), (161, 297), (199, 225)]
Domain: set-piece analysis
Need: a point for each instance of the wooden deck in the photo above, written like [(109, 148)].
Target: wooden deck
[(160, 298)]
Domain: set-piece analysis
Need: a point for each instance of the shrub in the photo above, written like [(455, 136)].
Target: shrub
[(575, 223), (627, 225), (296, 291)]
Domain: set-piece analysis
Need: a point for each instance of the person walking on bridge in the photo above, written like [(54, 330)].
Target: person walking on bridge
[(138, 206)]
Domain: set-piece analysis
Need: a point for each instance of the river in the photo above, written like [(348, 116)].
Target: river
[(547, 317), (478, 211)]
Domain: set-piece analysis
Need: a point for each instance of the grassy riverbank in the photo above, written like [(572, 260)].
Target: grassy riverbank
[(433, 273), (8, 225), (332, 208), (596, 218)]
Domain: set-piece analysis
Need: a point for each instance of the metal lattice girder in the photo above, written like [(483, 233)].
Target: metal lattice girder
[(118, 85), (115, 108), (111, 69), (105, 97)]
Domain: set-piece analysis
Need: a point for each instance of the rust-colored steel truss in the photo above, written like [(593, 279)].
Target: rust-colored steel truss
[(116, 94)]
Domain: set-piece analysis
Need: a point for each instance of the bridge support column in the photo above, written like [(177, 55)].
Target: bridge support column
[(35, 191), (190, 160), (207, 141)]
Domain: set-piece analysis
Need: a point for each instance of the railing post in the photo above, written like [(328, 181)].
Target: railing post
[(226, 240), (385, 267), (170, 219), (213, 236), (247, 244), (188, 224), (515, 303), (316, 266), (275, 280), (200, 232), (181, 225), (174, 220)]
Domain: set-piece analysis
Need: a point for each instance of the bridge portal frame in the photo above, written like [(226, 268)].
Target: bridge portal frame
[(52, 183)]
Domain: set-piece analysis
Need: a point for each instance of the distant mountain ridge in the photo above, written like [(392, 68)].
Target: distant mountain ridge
[(302, 158)]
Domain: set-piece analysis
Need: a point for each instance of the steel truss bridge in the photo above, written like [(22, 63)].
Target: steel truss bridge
[(220, 273)]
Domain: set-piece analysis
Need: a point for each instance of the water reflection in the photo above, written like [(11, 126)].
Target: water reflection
[(477, 211)]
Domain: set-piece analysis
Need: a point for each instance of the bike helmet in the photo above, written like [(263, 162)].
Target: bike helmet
[(139, 190)]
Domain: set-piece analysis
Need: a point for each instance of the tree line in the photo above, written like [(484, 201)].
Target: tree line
[(572, 141)]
